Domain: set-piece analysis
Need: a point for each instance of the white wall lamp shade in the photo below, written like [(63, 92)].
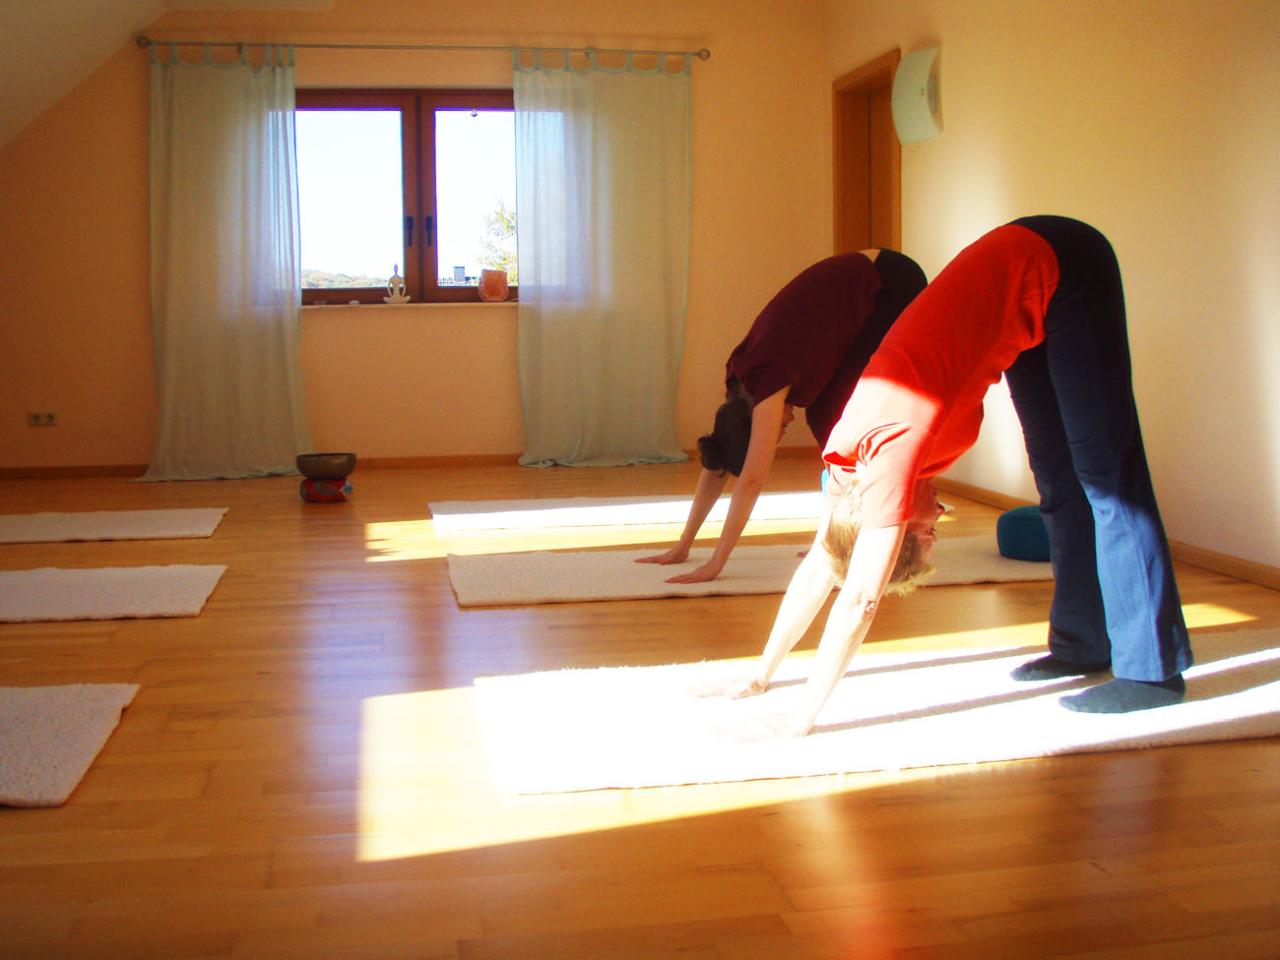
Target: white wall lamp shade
[(916, 108)]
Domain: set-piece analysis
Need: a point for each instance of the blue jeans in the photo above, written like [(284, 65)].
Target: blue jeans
[(1115, 597)]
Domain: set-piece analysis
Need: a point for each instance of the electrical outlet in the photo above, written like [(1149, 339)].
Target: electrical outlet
[(42, 419)]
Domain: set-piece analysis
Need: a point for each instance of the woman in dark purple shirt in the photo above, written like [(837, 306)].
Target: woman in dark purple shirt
[(807, 349)]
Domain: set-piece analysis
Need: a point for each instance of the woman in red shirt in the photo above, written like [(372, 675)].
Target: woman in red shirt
[(1039, 301), (807, 349)]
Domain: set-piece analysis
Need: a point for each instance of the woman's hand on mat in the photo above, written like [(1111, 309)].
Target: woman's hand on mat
[(677, 554), (772, 726), (708, 571), (749, 686), (734, 688)]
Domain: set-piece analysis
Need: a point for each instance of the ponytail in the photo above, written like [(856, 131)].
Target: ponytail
[(725, 447)]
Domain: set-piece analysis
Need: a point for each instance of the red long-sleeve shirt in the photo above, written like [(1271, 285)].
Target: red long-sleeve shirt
[(918, 406)]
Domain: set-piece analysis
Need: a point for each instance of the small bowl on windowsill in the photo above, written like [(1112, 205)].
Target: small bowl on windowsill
[(326, 466)]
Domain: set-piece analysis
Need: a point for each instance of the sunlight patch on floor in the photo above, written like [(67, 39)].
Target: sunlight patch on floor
[(426, 787), (418, 540), (542, 513), (1199, 615)]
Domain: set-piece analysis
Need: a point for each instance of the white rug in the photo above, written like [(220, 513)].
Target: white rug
[(50, 735), (460, 515), (106, 593), (641, 726), (110, 525), (570, 576)]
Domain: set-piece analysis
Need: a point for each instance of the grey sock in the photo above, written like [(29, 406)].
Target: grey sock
[(1051, 668), (1127, 696)]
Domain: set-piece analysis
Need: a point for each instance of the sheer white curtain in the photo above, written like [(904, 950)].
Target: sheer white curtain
[(225, 267), (602, 200)]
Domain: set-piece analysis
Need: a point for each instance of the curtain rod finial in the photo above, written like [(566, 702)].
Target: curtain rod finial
[(704, 54), (143, 41)]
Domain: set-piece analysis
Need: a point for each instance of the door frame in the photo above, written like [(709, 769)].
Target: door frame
[(855, 166)]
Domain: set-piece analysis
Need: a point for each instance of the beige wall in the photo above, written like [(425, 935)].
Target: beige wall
[(75, 337), (420, 380), (1158, 123), (1155, 122)]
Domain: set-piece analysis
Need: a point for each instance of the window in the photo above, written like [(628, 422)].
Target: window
[(419, 180)]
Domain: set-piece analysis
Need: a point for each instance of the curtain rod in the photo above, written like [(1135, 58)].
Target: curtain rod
[(145, 41)]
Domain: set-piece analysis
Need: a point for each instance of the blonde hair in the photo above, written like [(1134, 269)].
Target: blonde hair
[(844, 523)]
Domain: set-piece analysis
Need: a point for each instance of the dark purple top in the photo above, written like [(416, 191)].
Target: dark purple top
[(801, 338)]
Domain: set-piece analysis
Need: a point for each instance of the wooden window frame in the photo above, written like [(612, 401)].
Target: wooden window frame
[(417, 137)]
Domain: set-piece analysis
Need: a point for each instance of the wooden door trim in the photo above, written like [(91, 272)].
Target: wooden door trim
[(871, 76), (880, 70)]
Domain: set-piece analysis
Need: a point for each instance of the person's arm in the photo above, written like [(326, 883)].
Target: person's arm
[(855, 607), (710, 486), (806, 593), (766, 430)]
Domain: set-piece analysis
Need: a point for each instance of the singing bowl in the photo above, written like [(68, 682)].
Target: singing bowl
[(326, 466)]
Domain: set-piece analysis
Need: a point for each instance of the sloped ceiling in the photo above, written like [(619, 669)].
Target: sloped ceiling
[(49, 46)]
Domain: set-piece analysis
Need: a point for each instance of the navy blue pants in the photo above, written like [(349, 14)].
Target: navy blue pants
[(1115, 597)]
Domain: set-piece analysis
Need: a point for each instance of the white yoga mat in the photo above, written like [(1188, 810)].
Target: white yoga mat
[(110, 525), (642, 726), (506, 579), (460, 515), (106, 593), (50, 735)]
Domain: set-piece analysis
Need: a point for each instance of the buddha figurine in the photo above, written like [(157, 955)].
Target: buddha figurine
[(396, 288)]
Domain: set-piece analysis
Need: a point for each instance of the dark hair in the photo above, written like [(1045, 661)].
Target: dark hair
[(725, 447)]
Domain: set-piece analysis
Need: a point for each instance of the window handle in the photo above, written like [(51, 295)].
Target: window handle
[(426, 227), (408, 231)]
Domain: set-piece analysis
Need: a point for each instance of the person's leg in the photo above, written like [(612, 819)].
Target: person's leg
[(1078, 641), (1087, 353)]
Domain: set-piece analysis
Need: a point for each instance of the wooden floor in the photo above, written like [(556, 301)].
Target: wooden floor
[(302, 773)]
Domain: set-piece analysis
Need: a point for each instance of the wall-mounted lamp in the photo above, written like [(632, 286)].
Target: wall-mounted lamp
[(916, 106)]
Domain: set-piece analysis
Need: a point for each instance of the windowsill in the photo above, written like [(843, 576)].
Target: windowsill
[(463, 304)]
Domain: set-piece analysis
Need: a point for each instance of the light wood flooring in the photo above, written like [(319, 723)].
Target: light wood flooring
[(303, 774)]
